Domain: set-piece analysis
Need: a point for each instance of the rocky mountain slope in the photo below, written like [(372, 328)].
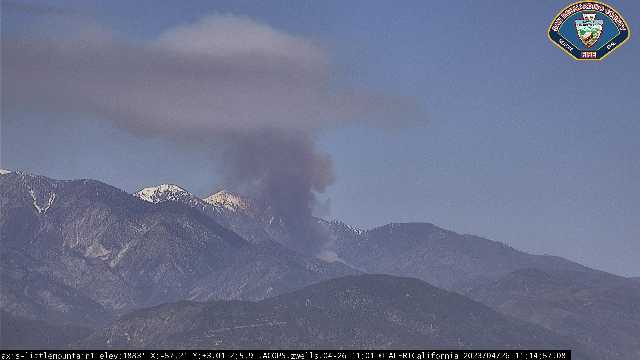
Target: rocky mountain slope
[(78, 251), (366, 311)]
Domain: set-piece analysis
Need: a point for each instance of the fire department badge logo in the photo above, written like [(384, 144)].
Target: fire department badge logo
[(589, 30)]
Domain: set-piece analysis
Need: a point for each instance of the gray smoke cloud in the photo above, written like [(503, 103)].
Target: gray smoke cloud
[(283, 170), (259, 95)]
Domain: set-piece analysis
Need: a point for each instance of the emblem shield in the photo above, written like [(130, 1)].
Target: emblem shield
[(589, 29)]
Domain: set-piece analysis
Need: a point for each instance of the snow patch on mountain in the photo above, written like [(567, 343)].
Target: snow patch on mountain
[(4, 172), (355, 230), (160, 193), (339, 226), (229, 201), (42, 209)]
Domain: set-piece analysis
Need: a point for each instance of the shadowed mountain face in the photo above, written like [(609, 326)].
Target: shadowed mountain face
[(80, 251), (602, 313), (23, 333), (366, 311)]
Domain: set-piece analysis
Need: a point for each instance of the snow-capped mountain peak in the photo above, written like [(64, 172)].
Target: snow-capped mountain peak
[(164, 192), (4, 172), (228, 200)]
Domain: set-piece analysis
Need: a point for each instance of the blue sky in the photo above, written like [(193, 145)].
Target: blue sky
[(518, 142)]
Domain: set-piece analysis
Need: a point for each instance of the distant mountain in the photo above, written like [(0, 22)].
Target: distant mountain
[(438, 256), (81, 251), (599, 309), (603, 313), (366, 311)]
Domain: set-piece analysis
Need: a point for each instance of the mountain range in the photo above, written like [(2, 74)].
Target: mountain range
[(164, 268), (78, 251), (362, 312)]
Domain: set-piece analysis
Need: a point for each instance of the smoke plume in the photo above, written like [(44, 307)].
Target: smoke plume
[(284, 170), (259, 95)]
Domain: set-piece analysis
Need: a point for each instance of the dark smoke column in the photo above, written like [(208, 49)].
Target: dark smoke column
[(283, 169)]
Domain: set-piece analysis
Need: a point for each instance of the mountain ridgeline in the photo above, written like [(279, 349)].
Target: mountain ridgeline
[(82, 251), (162, 268), (363, 311)]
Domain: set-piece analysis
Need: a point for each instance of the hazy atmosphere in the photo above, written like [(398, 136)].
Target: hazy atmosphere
[(459, 114)]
